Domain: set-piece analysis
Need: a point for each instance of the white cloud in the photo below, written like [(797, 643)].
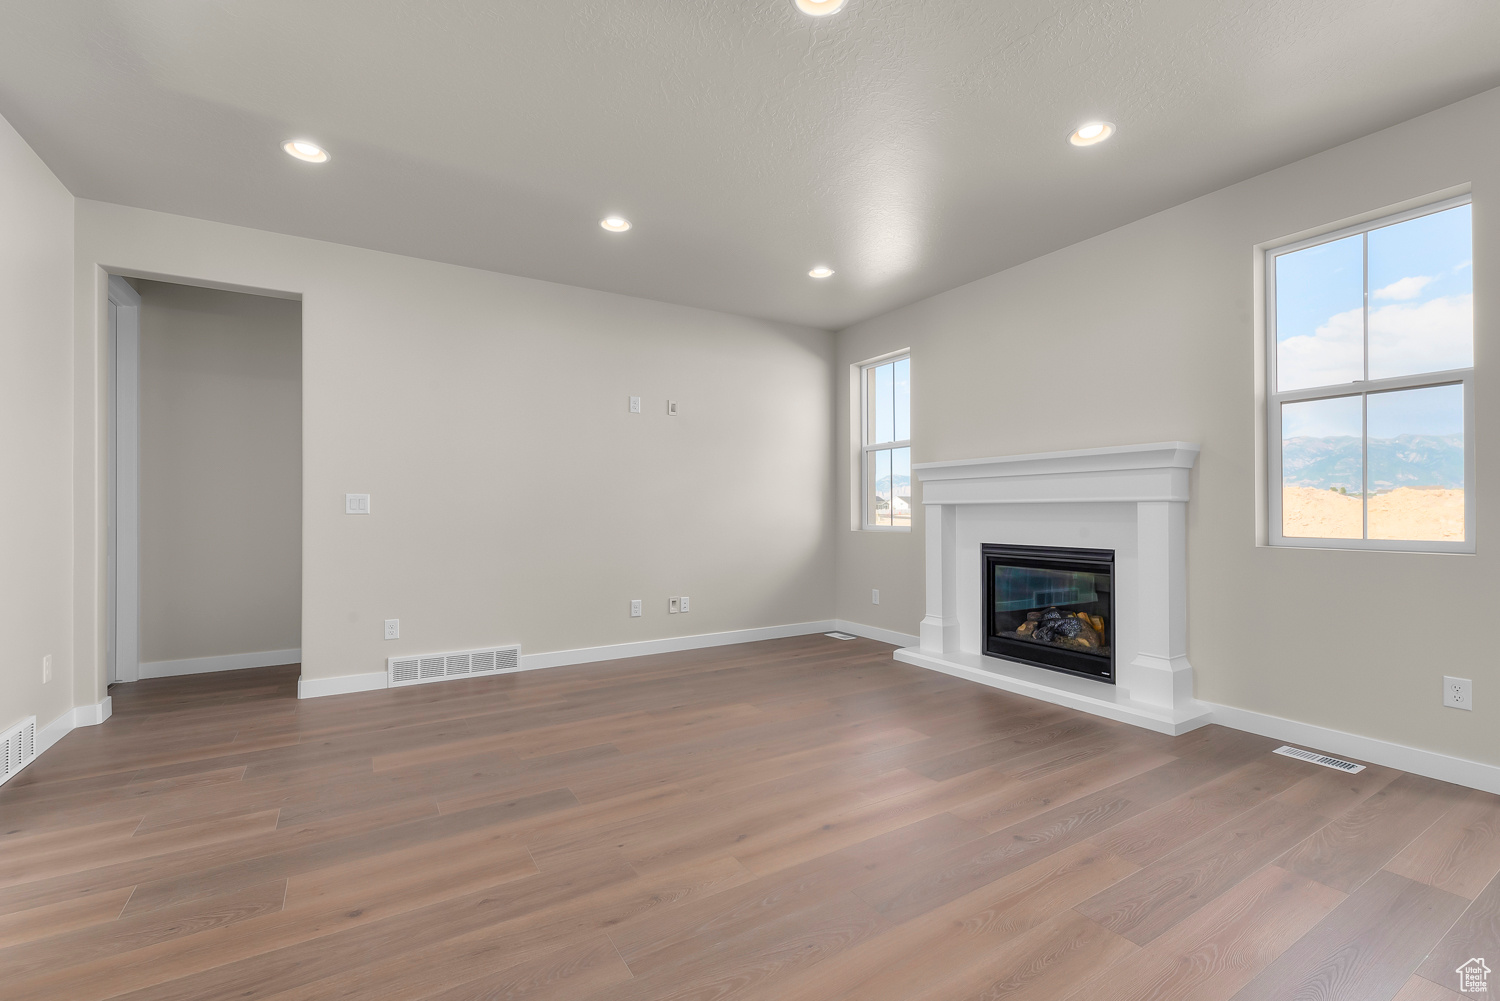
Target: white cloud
[(1425, 337), (1405, 288), (1464, 264), (1330, 356), (1405, 338)]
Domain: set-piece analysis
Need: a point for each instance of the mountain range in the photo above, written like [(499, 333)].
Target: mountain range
[(1408, 460)]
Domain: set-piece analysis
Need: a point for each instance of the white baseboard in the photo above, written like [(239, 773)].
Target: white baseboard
[(343, 684), (672, 644), (876, 633), (226, 662), (89, 715), (1432, 764), (312, 688)]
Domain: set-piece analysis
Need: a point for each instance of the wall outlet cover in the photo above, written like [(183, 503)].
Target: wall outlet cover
[(635, 608), (683, 603), (46, 668), (874, 597), (1458, 693), (635, 404), (392, 629)]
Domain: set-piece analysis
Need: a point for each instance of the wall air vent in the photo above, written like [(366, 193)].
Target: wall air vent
[(421, 668), (17, 747), (1320, 759)]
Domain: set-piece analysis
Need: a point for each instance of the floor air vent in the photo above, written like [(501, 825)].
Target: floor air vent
[(444, 666), (1320, 759), (841, 636), (17, 747)]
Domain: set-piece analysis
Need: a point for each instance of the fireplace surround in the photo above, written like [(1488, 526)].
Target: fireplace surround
[(1130, 500)]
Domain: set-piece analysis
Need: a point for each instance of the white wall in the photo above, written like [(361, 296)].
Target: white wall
[(1149, 333), (221, 473), (36, 381), (515, 499)]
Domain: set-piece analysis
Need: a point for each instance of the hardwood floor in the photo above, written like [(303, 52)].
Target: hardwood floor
[(798, 820)]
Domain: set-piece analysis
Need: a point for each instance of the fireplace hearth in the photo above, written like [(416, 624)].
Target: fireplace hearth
[(1051, 607)]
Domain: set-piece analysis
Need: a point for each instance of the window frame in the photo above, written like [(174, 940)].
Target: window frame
[(866, 448), (1365, 389)]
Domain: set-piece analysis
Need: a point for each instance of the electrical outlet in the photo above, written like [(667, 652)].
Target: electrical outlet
[(672, 605), (1458, 693), (683, 603), (46, 668), (635, 608), (874, 597), (635, 404), (356, 503), (392, 629)]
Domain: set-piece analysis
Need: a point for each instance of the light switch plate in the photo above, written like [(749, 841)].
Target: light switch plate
[(672, 605), (356, 503), (671, 408)]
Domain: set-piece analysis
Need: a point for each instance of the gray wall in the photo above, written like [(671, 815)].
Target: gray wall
[(36, 387), (1151, 333), (514, 497), (221, 472)]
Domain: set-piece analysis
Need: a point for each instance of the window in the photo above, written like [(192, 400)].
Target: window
[(885, 465), (1370, 344)]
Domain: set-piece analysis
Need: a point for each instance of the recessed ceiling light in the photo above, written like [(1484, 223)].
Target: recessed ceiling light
[(819, 8), (1093, 132), (302, 149), (820, 272), (615, 223)]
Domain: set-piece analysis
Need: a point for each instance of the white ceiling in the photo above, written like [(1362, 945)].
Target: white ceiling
[(913, 146)]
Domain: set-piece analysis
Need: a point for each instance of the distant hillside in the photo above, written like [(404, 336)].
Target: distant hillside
[(903, 485), (1411, 460)]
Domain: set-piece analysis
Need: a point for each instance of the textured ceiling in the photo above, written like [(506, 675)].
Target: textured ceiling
[(913, 146)]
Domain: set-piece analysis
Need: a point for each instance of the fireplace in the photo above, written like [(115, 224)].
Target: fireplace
[(1129, 500), (1051, 607)]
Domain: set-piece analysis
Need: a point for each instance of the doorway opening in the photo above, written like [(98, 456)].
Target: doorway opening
[(205, 473)]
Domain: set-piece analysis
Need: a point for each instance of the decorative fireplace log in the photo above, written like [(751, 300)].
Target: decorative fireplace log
[(1074, 629)]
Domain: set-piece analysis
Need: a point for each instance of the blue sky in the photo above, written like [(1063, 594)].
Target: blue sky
[(1435, 411), (1420, 320), (892, 401)]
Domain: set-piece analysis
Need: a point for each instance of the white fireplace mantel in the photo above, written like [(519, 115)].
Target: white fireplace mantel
[(1132, 499)]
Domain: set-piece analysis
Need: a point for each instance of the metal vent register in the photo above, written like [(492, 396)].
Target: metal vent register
[(421, 668), (17, 747), (1320, 759)]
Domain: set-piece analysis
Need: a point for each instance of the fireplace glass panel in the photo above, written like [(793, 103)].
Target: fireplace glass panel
[(1051, 607)]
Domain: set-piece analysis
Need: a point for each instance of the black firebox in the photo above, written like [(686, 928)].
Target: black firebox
[(1052, 607)]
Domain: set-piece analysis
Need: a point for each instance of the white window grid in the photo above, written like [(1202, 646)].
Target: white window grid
[(868, 448), (1364, 389)]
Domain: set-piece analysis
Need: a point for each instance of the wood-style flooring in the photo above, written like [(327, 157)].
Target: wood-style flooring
[(794, 820)]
